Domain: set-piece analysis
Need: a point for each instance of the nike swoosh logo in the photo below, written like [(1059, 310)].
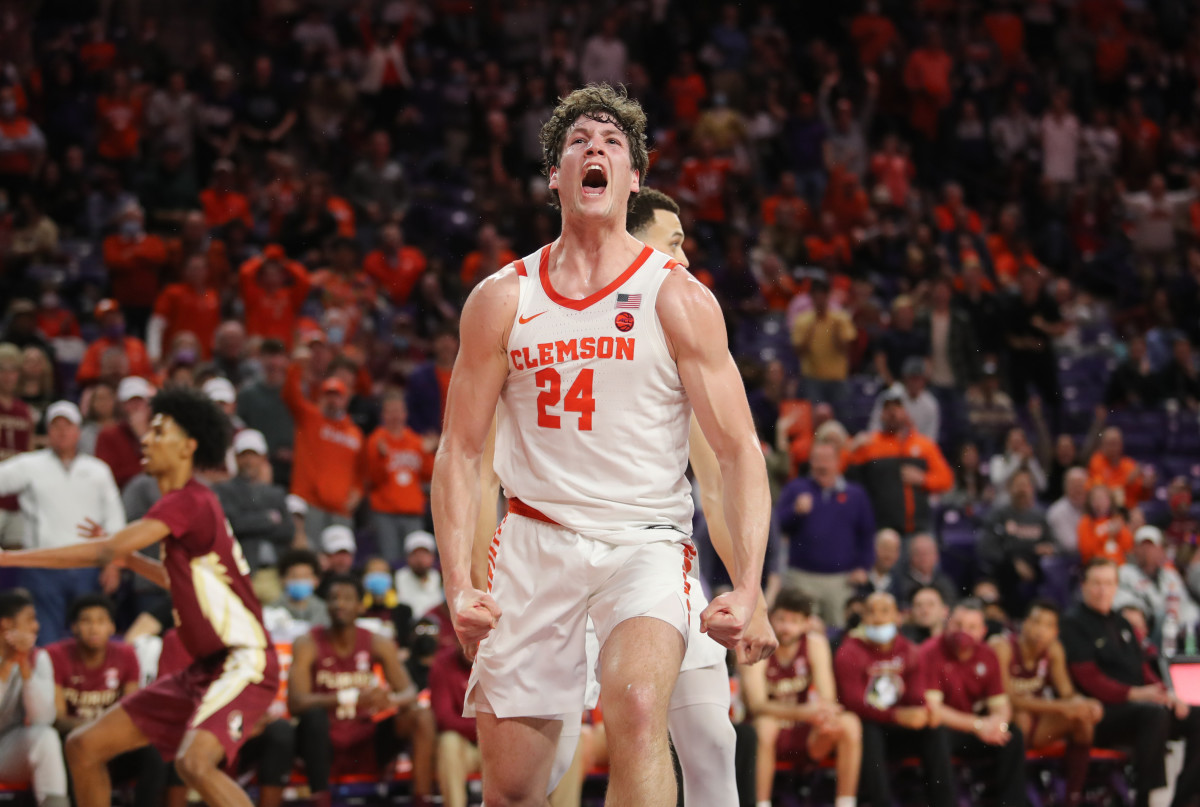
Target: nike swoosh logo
[(524, 320)]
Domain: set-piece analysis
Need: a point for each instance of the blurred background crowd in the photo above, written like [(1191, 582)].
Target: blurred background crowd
[(956, 242)]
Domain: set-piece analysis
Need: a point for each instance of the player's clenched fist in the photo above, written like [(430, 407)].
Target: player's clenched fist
[(474, 614), (726, 617)]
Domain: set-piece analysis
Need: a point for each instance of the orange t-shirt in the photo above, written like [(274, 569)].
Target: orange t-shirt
[(1008, 32), (944, 218), (785, 211), (343, 214), (120, 127), (134, 268), (820, 250), (396, 467), (222, 208), (473, 264), (396, 273), (686, 93), (329, 453), (1116, 477), (706, 181), (874, 34), (1095, 541), (135, 352), (57, 322), (185, 309), (272, 314)]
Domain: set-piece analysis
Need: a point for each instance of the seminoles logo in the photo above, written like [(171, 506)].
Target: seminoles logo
[(235, 726), (362, 661), (111, 679), (624, 321), (885, 691)]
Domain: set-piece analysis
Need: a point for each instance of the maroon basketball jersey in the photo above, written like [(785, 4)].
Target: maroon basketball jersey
[(966, 684), (89, 692), (16, 436), (215, 606), (333, 673), (1028, 680), (788, 683)]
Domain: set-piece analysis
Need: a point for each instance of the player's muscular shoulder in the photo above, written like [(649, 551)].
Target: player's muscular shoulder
[(488, 313), (688, 311)]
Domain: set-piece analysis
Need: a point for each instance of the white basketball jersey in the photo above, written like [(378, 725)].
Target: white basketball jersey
[(593, 419)]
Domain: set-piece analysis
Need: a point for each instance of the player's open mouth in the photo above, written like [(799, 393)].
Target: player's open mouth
[(594, 180)]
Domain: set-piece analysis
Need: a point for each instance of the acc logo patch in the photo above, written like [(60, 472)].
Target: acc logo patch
[(624, 321)]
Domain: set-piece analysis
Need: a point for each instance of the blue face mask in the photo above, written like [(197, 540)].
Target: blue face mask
[(299, 590), (880, 634), (377, 583)]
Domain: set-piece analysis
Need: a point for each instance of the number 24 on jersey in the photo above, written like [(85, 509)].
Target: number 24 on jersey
[(579, 398)]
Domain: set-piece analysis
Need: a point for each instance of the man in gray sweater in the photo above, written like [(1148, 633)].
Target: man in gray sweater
[(30, 750)]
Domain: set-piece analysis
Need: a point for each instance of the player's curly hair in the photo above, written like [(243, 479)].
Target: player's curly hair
[(93, 600), (598, 102), (201, 419)]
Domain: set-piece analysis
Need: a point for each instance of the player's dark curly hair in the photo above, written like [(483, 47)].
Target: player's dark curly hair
[(344, 580), (201, 419), (13, 602), (598, 102), (95, 600), (642, 207), (794, 600)]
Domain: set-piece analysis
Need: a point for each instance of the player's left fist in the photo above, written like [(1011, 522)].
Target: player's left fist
[(726, 617)]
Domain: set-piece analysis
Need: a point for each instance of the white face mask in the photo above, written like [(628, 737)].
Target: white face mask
[(880, 634)]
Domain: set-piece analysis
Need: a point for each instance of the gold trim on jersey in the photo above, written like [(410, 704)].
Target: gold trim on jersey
[(244, 666), (231, 620)]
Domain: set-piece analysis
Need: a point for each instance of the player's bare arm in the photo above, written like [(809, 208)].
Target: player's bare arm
[(695, 331), (138, 535), (754, 690), (136, 562), (387, 656), (485, 525), (712, 498), (480, 373)]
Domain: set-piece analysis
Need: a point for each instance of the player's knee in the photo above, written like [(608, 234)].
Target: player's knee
[(638, 709), (767, 729), (424, 726), (194, 766), (510, 794), (80, 749)]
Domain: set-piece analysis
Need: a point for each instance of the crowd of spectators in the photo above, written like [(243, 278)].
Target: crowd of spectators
[(957, 245)]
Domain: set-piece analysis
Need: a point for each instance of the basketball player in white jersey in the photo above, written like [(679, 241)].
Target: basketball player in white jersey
[(597, 348), (699, 710)]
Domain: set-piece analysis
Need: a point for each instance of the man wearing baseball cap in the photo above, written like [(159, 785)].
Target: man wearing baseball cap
[(111, 320), (418, 584), (328, 472), (120, 445), (257, 510), (60, 489), (1147, 578)]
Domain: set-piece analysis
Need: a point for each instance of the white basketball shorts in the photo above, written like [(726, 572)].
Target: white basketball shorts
[(547, 581)]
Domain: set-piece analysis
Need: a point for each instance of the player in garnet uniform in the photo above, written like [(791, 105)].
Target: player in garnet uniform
[(880, 679), (1045, 704), (597, 349), (91, 671), (200, 716), (333, 689), (794, 702), (965, 691)]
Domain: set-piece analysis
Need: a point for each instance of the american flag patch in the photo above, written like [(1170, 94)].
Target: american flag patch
[(633, 301)]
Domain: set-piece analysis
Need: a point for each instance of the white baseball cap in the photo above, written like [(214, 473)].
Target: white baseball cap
[(63, 409), (220, 390), (250, 440), (1149, 532), (338, 538), (420, 539), (134, 386)]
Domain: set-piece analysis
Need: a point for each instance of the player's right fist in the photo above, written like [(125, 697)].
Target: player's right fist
[(474, 614)]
